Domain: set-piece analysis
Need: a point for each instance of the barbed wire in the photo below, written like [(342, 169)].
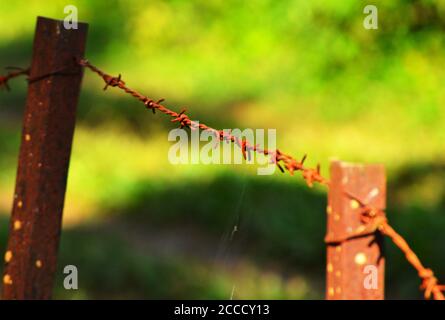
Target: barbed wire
[(373, 219), (276, 156), (12, 74)]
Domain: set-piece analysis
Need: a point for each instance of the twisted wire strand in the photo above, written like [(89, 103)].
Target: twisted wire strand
[(374, 219), (370, 215), (12, 74)]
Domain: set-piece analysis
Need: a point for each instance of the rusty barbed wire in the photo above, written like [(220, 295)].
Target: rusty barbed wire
[(12, 74), (20, 71), (373, 219), (276, 156)]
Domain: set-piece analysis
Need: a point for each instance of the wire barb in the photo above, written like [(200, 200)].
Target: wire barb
[(112, 81)]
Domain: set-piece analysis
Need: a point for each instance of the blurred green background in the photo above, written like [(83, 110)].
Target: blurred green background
[(138, 227)]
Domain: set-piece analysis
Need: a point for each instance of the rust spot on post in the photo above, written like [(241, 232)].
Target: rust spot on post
[(17, 225), (47, 137)]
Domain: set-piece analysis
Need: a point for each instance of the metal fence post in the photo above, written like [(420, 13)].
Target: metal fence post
[(48, 127), (355, 267)]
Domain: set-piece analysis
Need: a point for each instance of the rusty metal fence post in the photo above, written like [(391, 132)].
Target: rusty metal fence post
[(355, 267), (48, 127)]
